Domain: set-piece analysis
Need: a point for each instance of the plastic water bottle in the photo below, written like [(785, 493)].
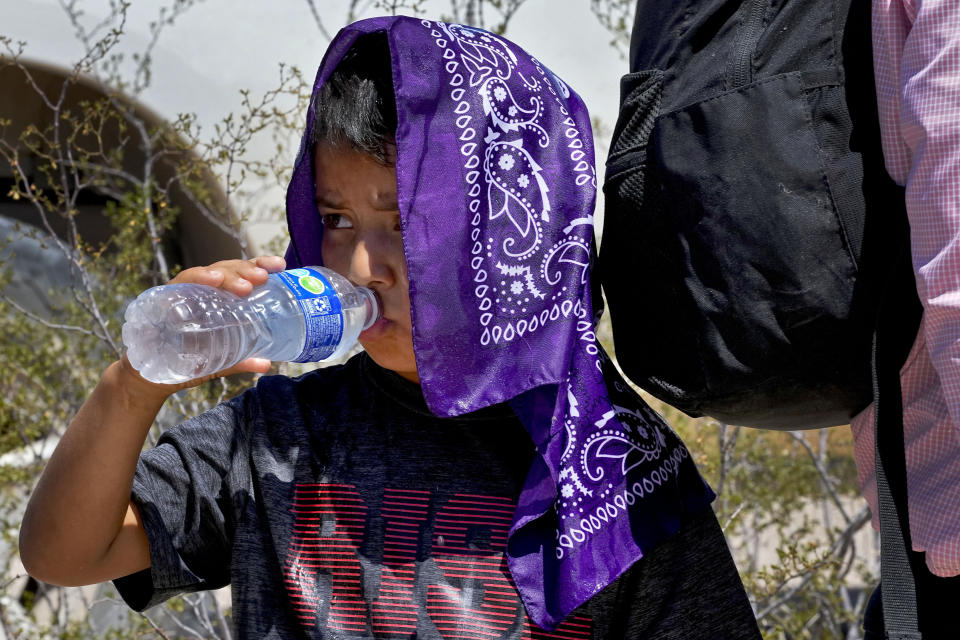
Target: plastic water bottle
[(178, 332)]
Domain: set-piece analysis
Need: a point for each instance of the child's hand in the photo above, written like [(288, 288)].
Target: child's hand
[(236, 276)]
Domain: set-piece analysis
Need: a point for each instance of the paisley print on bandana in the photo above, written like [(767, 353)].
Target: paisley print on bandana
[(517, 272)]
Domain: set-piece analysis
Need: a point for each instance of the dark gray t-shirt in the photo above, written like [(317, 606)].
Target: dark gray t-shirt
[(337, 506)]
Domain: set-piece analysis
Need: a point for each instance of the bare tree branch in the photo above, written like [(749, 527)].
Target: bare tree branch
[(160, 632), (733, 516), (825, 480), (316, 18), (50, 325), (839, 545)]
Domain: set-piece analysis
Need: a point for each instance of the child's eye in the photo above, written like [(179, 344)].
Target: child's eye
[(336, 221)]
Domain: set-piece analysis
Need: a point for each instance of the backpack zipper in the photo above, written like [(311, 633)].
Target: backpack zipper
[(740, 69)]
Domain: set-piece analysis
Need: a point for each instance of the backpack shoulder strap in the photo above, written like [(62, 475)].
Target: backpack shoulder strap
[(898, 586)]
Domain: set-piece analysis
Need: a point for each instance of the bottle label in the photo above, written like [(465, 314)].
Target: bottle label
[(321, 311)]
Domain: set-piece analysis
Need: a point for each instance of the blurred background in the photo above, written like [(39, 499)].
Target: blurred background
[(140, 138)]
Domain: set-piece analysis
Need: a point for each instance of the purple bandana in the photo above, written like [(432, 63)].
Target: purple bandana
[(496, 185)]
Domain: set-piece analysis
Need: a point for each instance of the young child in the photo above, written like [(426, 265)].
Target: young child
[(481, 471)]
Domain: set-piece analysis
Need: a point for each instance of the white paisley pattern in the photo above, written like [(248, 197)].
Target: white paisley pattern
[(496, 138), (521, 277)]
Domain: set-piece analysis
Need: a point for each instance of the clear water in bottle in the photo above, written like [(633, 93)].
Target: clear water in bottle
[(178, 332)]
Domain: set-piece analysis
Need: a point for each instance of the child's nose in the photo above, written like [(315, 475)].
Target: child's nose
[(370, 263)]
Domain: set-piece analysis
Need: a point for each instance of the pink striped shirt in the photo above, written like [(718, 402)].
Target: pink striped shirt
[(917, 64)]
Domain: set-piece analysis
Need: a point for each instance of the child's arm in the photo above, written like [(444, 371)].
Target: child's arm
[(80, 526)]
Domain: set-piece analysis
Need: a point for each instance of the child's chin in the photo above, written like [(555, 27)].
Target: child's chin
[(402, 364)]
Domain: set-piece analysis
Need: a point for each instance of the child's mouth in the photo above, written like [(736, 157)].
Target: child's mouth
[(375, 330)]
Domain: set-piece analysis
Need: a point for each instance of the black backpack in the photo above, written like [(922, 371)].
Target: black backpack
[(750, 226), (755, 253)]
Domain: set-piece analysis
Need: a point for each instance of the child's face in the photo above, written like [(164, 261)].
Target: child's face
[(357, 199)]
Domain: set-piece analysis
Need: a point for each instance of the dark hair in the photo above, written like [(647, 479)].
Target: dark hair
[(356, 105)]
